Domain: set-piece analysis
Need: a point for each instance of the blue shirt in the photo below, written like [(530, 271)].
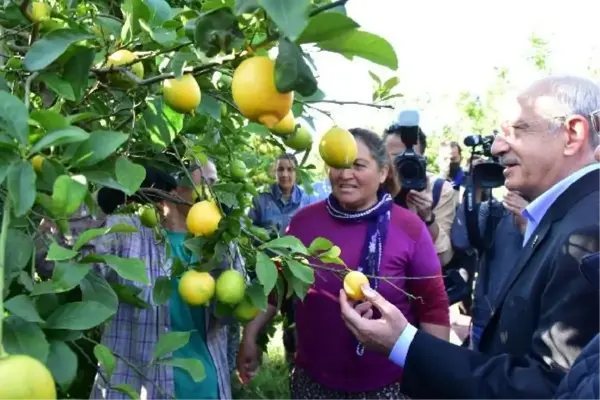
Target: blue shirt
[(271, 211), (185, 318), (534, 213), (322, 190)]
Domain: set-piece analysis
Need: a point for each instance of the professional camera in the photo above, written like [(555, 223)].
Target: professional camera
[(411, 167), (488, 174)]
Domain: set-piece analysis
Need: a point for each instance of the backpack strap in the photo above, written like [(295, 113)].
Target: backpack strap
[(437, 191)]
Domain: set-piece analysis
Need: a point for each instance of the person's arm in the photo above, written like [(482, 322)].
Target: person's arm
[(444, 212), (426, 284), (563, 329)]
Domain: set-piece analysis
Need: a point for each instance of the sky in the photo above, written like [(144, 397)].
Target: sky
[(446, 47)]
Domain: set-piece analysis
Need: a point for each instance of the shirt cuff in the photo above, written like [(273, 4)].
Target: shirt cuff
[(400, 349)]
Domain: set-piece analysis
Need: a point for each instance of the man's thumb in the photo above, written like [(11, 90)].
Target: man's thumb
[(376, 299)]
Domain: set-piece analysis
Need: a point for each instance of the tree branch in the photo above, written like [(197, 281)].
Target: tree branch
[(351, 103), (142, 56), (326, 7), (23, 7)]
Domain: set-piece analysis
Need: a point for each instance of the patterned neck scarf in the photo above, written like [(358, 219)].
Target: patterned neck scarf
[(377, 218)]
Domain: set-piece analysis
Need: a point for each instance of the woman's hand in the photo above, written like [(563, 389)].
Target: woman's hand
[(248, 359), (421, 202)]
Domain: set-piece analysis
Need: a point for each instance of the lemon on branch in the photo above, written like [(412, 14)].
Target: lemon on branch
[(182, 94), (40, 11), (203, 218), (245, 311), (238, 170), (353, 282), (37, 162), (254, 92), (286, 126), (338, 148), (149, 217), (122, 57), (299, 141), (196, 288), (231, 287), (24, 377)]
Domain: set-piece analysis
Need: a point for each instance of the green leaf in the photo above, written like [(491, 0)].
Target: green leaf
[(291, 71), (7, 157), (79, 315), (319, 244), (126, 390), (245, 6), (169, 342), (391, 83), (161, 123), (22, 337), (21, 187), (64, 278), (193, 367), (19, 249), (266, 272), (59, 253), (129, 175), (23, 307), (50, 47), (77, 71), (67, 195), (50, 120), (301, 271), (325, 26), (218, 31), (63, 363), (291, 243), (100, 145), (375, 78), (291, 17), (132, 269), (60, 137), (58, 85), (257, 295), (106, 359), (91, 234), (94, 287), (14, 117), (365, 45), (162, 290)]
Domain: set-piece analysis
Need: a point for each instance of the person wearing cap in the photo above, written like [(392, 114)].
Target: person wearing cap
[(134, 332)]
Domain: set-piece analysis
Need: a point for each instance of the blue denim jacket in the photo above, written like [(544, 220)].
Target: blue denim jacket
[(269, 211)]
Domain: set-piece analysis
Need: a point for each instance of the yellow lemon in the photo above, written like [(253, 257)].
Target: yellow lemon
[(123, 56), (196, 288), (299, 141), (353, 282), (203, 218), (286, 126), (40, 11), (24, 377), (182, 94), (231, 287), (254, 92), (37, 162), (338, 148)]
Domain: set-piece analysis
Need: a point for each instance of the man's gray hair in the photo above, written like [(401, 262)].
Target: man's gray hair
[(581, 96)]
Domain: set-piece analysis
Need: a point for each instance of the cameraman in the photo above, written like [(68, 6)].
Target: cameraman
[(497, 240), (436, 204)]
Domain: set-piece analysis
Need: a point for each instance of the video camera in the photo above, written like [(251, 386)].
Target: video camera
[(410, 166), (488, 174)]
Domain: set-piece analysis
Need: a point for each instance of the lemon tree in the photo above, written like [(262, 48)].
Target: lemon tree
[(91, 91)]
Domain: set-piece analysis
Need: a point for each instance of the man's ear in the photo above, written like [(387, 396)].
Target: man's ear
[(577, 131)]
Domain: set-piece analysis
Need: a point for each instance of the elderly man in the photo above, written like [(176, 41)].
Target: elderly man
[(545, 311)]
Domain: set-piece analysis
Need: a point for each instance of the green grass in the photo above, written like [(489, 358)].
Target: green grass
[(272, 380)]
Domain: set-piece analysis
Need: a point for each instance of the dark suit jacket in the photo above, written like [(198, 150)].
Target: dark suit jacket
[(546, 312)]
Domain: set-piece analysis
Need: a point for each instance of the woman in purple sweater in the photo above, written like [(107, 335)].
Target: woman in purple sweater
[(380, 239)]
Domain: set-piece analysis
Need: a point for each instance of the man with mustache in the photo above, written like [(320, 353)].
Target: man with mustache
[(546, 310)]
